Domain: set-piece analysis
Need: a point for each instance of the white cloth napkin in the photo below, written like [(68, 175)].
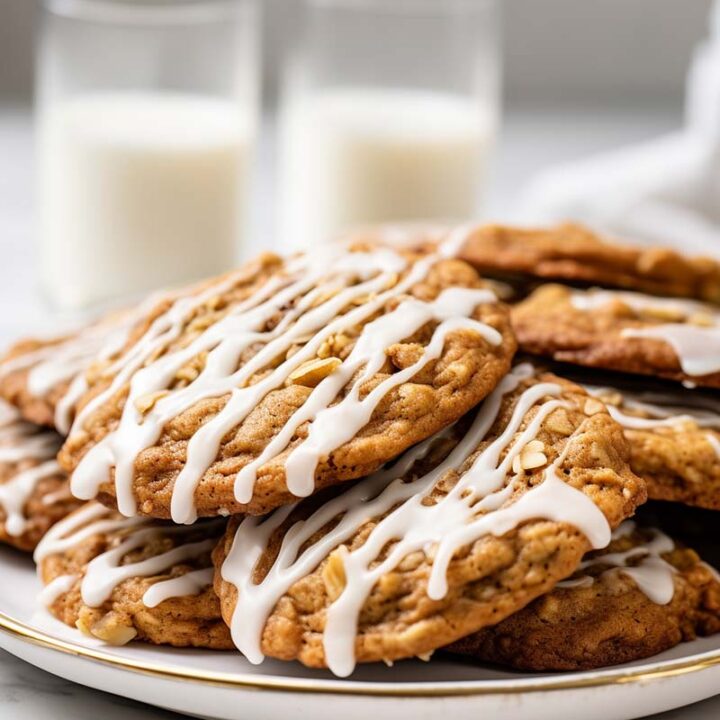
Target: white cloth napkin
[(665, 191)]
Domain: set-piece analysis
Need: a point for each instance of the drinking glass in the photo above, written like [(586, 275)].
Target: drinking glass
[(389, 112), (146, 124)]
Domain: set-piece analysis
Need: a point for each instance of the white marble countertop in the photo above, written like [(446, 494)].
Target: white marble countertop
[(531, 141)]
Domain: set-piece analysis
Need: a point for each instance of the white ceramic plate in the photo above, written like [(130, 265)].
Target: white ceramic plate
[(224, 686)]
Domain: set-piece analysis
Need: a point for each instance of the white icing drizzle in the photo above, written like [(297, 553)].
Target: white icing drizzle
[(332, 426), (55, 588), (20, 442), (191, 583), (15, 493), (317, 290), (106, 571), (665, 410), (27, 360), (64, 361), (8, 415), (30, 447), (164, 330), (68, 359), (59, 495), (697, 347), (455, 240), (578, 582), (439, 529), (89, 520), (652, 574)]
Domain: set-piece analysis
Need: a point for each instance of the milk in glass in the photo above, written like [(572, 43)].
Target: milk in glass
[(353, 157), (139, 190)]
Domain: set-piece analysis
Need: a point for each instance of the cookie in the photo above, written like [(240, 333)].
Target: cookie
[(574, 254), (639, 597), (45, 377), (119, 579), (457, 534), (666, 337), (286, 376), (674, 439), (34, 490)]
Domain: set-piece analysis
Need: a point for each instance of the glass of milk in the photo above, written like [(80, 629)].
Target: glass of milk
[(146, 116), (389, 112)]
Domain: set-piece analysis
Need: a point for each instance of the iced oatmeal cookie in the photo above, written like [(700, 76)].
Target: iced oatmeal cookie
[(674, 438), (286, 376), (34, 490), (45, 377), (119, 579), (640, 596), (574, 254), (457, 534), (636, 333)]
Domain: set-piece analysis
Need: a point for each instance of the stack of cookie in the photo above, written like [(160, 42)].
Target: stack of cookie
[(338, 458)]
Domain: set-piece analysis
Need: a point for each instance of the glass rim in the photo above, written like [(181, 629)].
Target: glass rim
[(149, 12), (443, 8)]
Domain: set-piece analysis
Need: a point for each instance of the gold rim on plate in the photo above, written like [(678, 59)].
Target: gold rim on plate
[(28, 634)]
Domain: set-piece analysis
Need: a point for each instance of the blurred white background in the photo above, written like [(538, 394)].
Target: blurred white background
[(586, 75), (628, 52), (579, 78)]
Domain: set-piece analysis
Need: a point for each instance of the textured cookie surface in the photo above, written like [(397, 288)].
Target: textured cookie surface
[(641, 596), (572, 253), (674, 438), (670, 338), (120, 579), (459, 533), (34, 490), (44, 377), (285, 377), (15, 370)]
